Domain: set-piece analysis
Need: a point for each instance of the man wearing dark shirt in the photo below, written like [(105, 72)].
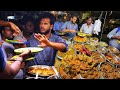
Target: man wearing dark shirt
[(50, 42)]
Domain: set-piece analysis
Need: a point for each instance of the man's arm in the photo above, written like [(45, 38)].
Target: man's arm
[(116, 37), (4, 23), (112, 33), (59, 45), (17, 31), (63, 46), (71, 30), (9, 71), (64, 28), (68, 30)]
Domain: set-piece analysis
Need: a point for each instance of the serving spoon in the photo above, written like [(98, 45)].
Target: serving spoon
[(36, 76)]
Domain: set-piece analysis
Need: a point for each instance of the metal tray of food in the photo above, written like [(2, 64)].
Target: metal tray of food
[(98, 56), (42, 70), (102, 50), (79, 39), (77, 70), (61, 55), (34, 78), (93, 73), (108, 71), (93, 39), (112, 58), (90, 47), (113, 50), (103, 44)]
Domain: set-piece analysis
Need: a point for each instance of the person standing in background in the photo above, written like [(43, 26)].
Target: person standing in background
[(70, 27), (88, 26), (58, 25), (28, 27)]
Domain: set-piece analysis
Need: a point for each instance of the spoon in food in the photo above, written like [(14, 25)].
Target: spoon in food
[(36, 76)]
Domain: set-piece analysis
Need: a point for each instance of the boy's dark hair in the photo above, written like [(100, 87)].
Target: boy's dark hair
[(47, 15), (89, 17), (59, 16), (28, 19), (73, 15)]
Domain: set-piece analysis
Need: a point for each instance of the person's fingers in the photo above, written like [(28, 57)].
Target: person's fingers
[(25, 53), (39, 39), (15, 28), (40, 35), (36, 37), (14, 34), (44, 36)]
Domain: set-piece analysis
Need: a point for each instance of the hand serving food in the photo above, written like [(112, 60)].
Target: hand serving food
[(43, 40), (23, 56)]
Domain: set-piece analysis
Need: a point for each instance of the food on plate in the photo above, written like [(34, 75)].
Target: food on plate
[(102, 50), (14, 57), (84, 34), (91, 74), (15, 41), (90, 47), (77, 46), (113, 50), (10, 62), (92, 43), (112, 58), (98, 57), (82, 49), (109, 71), (72, 65), (33, 49), (81, 34), (94, 39), (88, 35), (70, 51), (118, 55), (80, 39), (103, 44), (41, 71), (30, 59), (118, 41)]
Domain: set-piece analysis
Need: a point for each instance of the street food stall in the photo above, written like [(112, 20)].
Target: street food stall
[(88, 57), (91, 59)]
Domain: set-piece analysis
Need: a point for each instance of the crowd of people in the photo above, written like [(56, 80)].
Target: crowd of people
[(42, 32)]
